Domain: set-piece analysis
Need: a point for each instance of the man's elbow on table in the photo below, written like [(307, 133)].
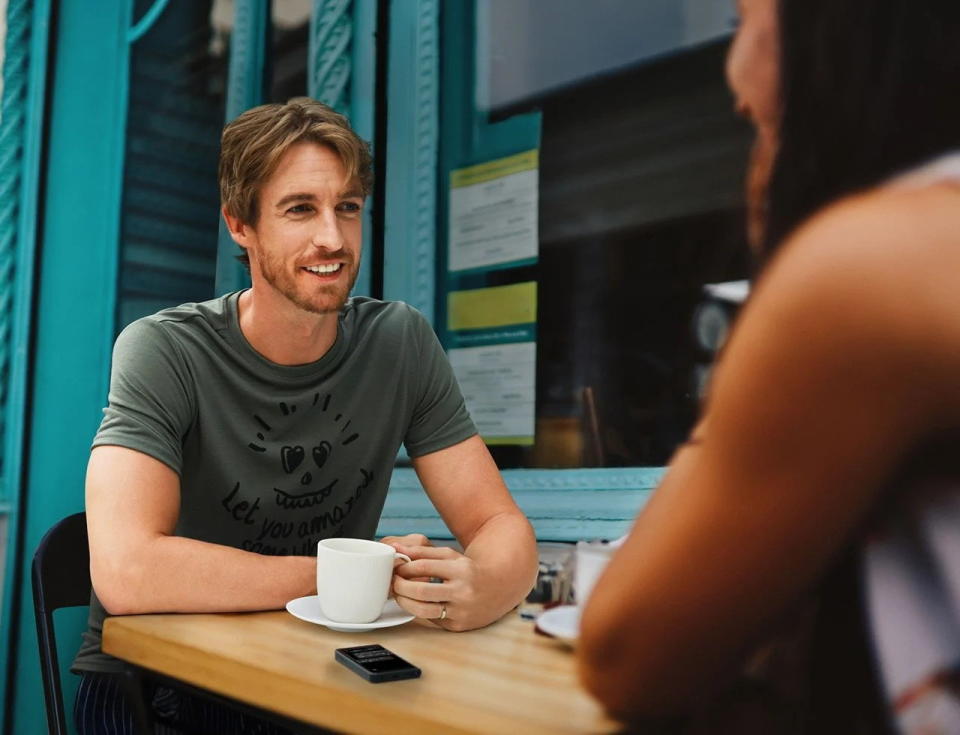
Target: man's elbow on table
[(116, 583)]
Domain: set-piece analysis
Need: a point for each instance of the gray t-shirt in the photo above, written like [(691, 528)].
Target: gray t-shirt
[(273, 458)]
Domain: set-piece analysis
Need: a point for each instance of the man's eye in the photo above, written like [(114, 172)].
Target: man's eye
[(299, 209), (349, 207)]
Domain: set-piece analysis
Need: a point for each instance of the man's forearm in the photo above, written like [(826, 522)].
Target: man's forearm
[(505, 549), (176, 574)]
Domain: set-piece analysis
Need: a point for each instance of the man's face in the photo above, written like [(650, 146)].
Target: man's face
[(306, 244)]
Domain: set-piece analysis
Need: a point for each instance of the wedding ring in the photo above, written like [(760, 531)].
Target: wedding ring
[(443, 611)]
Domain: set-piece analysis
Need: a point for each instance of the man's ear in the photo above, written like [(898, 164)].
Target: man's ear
[(238, 230)]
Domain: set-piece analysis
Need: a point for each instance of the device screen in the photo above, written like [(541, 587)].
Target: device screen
[(376, 659)]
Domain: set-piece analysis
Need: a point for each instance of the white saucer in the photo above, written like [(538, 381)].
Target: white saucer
[(561, 622), (308, 609)]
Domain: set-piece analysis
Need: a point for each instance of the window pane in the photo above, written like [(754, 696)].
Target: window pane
[(529, 48), (641, 174)]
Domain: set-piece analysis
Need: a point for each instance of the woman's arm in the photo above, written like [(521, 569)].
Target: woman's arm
[(846, 356)]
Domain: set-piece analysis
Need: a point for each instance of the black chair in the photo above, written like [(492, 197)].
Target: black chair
[(61, 578)]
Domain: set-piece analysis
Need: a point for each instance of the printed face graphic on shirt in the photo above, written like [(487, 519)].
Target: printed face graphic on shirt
[(303, 484), (314, 483)]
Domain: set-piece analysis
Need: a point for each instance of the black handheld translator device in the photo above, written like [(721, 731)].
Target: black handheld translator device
[(376, 664)]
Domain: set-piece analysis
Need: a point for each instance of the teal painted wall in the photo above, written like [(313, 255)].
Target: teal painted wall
[(24, 75), (75, 301)]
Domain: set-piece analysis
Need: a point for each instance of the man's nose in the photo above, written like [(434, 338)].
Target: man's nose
[(327, 235)]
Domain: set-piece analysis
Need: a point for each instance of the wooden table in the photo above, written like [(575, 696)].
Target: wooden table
[(500, 679)]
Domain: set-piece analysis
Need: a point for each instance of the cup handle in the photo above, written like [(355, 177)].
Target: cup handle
[(398, 555)]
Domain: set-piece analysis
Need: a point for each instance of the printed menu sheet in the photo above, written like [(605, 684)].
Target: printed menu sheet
[(493, 213), (493, 352)]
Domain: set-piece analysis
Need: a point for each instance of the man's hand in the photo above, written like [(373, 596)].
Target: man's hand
[(462, 595), (411, 539), (498, 566)]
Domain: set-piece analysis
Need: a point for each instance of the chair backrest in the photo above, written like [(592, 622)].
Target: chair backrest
[(61, 578)]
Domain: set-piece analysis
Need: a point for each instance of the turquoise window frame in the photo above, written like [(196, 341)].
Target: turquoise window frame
[(563, 505)]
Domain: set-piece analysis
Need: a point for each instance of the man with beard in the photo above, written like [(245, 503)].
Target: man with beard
[(242, 430)]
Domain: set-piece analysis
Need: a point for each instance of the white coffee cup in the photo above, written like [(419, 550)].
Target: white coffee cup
[(353, 578), (592, 558)]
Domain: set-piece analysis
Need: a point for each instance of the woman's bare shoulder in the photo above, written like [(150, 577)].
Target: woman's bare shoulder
[(887, 238), (878, 272)]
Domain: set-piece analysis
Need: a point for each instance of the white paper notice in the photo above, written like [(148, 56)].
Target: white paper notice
[(498, 384), (493, 212)]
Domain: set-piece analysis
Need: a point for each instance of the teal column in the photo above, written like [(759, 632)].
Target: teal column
[(341, 66), (24, 79), (75, 307), (329, 62), (363, 68), (412, 139), (248, 48), (362, 111)]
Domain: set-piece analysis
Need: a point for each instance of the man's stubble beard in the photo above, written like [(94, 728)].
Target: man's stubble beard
[(282, 281)]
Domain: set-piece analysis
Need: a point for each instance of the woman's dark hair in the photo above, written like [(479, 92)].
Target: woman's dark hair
[(868, 88)]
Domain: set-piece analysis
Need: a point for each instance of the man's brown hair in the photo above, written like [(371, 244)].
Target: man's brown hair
[(252, 145)]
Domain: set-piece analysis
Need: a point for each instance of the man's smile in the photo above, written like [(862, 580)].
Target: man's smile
[(328, 269)]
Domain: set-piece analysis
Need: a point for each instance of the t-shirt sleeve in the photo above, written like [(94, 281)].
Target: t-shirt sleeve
[(151, 402), (440, 418)]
